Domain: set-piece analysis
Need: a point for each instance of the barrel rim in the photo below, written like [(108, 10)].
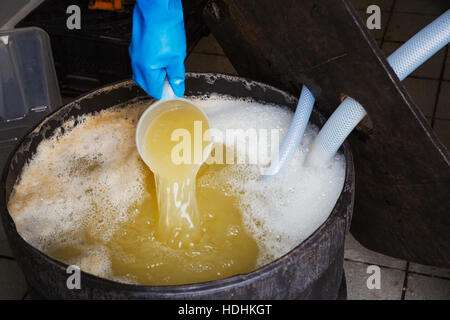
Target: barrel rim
[(201, 287)]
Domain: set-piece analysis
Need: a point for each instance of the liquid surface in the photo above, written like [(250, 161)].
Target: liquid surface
[(225, 248), (174, 150), (82, 198)]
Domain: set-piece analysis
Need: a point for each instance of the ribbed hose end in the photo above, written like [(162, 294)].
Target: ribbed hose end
[(341, 123), (294, 135)]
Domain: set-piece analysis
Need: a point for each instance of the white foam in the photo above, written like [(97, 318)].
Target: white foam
[(54, 201), (93, 259), (287, 209), (57, 197)]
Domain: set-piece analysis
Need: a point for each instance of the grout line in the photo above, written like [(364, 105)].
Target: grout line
[(424, 78), (209, 53), (25, 295), (406, 269), (396, 41), (434, 16), (420, 13), (405, 281), (364, 10), (6, 257), (438, 118), (430, 275), (441, 77), (391, 12), (370, 264)]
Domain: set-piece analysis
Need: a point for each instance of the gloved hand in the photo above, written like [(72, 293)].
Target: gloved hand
[(158, 46)]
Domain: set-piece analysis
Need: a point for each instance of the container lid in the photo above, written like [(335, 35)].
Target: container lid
[(28, 85)]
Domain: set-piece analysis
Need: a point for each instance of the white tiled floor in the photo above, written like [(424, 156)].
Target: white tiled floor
[(433, 271), (354, 251), (385, 5), (429, 85), (196, 62), (422, 287), (12, 282), (423, 92), (399, 279), (400, 26), (5, 251), (420, 6), (391, 282), (443, 106)]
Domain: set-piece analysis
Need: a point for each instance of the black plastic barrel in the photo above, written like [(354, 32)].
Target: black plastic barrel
[(312, 270)]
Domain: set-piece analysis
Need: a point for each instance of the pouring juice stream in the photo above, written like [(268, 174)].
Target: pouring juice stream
[(173, 148)]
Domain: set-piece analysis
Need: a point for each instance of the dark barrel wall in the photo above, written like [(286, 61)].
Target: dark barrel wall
[(313, 270)]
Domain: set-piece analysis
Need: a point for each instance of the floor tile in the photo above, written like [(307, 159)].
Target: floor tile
[(385, 5), (197, 62), (447, 66), (430, 69), (376, 33), (443, 106), (356, 275), (208, 45), (429, 270), (12, 281), (423, 92), (404, 25), (427, 288), (421, 6), (389, 47), (442, 130), (356, 252), (5, 250), (66, 99)]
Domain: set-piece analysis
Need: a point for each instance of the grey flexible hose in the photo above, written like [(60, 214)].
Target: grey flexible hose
[(404, 60)]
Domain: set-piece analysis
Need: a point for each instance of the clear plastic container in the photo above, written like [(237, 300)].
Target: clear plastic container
[(28, 84), (12, 11)]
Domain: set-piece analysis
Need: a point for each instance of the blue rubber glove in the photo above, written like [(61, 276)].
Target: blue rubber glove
[(158, 46)]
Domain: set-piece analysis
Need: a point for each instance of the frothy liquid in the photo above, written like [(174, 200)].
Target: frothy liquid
[(179, 224), (137, 255), (86, 198)]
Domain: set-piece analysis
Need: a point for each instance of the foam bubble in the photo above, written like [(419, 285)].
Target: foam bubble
[(94, 259), (285, 210), (86, 178), (96, 165)]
